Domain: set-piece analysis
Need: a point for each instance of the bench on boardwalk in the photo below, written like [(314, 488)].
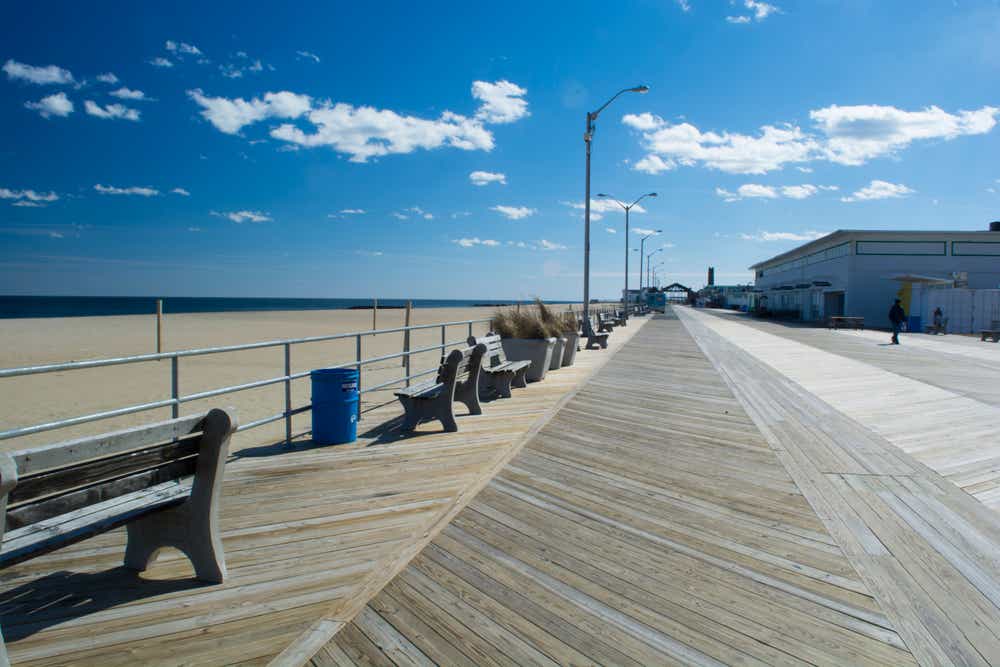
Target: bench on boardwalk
[(843, 321), (162, 481), (457, 380), (620, 319), (496, 373), (606, 323), (593, 337), (993, 334)]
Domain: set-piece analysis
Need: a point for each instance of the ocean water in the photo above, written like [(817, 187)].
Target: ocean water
[(89, 306)]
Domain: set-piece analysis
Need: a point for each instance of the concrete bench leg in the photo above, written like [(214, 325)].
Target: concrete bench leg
[(520, 379), (468, 394), (182, 528), (419, 410), (502, 383)]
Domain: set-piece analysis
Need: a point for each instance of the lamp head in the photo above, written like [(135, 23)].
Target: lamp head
[(642, 90), (601, 194), (658, 231), (652, 194)]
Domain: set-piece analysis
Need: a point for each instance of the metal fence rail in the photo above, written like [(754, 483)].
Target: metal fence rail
[(176, 399)]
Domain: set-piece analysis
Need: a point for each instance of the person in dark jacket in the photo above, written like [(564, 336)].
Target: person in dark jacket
[(897, 316)]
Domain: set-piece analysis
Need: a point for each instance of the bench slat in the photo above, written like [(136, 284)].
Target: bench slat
[(60, 480), (428, 389), (72, 451), (22, 544), (47, 508)]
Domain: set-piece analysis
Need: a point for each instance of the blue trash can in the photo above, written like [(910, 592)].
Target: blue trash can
[(914, 324), (334, 405)]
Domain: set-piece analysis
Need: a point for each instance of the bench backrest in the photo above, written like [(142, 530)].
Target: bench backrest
[(53, 480), (494, 355), (460, 365)]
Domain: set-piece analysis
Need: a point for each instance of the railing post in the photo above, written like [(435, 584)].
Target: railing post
[(406, 342), (470, 329), (357, 358), (175, 409), (288, 395), (444, 338)]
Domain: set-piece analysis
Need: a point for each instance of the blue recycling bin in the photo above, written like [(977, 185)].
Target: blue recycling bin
[(334, 405), (913, 324)]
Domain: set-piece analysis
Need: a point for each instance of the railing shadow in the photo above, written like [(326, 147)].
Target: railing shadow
[(62, 596)]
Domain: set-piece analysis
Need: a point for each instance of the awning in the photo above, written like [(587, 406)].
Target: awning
[(925, 280)]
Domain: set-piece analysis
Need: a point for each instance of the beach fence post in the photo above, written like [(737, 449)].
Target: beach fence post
[(175, 389), (159, 326), (357, 358), (374, 314), (288, 394), (406, 341)]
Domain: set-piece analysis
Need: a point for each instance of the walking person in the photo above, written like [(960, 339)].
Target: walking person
[(897, 316)]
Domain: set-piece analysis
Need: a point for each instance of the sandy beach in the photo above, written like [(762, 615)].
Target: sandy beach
[(39, 398)]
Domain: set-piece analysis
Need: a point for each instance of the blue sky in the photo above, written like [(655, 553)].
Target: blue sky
[(333, 150)]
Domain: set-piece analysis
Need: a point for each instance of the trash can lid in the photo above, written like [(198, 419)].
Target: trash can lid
[(334, 373)]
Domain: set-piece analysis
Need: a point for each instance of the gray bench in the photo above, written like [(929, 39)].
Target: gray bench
[(993, 334), (497, 374), (594, 337), (606, 323), (620, 319), (457, 380), (162, 481)]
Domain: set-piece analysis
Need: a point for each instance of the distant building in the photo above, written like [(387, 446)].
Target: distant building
[(859, 273), (727, 296)]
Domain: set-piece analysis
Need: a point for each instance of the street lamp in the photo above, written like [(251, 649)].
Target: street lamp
[(588, 137), (656, 282), (642, 251), (627, 207), (649, 264)]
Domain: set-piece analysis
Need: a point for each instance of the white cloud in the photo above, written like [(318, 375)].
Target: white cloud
[(400, 216), (370, 253), (761, 10), (502, 101), (684, 5), (549, 245), (654, 164), (809, 235), (52, 105), (160, 62), (365, 132), (803, 191), (805, 170), (124, 93), (28, 198), (642, 231), (181, 47), (243, 216), (310, 56), (611, 230), (134, 190), (850, 135), (758, 191), (474, 241), (194, 229), (111, 111), (352, 211), (107, 78), (181, 191), (230, 116), (420, 212), (603, 205), (487, 177), (514, 212), (856, 134), (42, 76), (879, 190)]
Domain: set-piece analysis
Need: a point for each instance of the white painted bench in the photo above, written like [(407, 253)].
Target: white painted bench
[(457, 380), (497, 373), (162, 481), (593, 336), (606, 323)]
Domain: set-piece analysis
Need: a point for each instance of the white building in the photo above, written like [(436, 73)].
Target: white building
[(859, 273)]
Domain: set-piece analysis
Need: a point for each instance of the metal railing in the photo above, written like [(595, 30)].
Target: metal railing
[(176, 399)]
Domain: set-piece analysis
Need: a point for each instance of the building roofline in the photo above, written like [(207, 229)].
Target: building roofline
[(848, 234)]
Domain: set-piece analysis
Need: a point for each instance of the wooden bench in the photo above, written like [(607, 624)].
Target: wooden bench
[(993, 334), (497, 374), (620, 319), (593, 337), (606, 323), (843, 321), (457, 380), (162, 481)]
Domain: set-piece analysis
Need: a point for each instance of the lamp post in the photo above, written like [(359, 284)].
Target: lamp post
[(656, 283), (642, 251), (649, 265), (588, 137), (627, 207)]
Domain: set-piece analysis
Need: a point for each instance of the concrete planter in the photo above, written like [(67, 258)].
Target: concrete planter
[(557, 354), (570, 348), (536, 350)]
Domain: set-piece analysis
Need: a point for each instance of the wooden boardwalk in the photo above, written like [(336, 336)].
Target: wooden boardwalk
[(310, 535), (939, 406), (649, 523)]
